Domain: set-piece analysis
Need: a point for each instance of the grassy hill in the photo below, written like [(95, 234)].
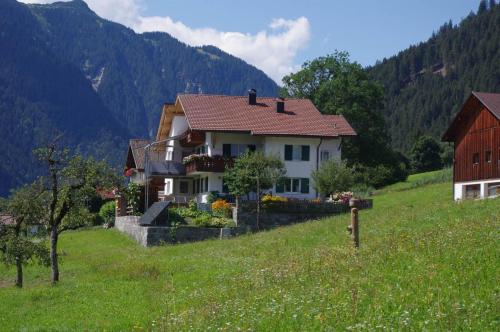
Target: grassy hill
[(425, 263)]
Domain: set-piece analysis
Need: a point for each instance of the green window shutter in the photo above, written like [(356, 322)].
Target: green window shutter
[(280, 186), (226, 150), (305, 152), (288, 152), (304, 186)]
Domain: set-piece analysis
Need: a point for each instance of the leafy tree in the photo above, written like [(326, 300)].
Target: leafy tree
[(70, 182), (333, 176), (337, 86), (254, 172), (25, 207), (447, 154), (425, 155)]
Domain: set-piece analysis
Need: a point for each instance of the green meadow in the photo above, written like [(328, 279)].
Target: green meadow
[(425, 263)]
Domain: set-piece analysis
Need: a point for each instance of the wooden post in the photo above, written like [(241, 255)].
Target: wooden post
[(354, 227)]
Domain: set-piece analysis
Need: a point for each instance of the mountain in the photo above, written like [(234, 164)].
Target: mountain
[(427, 84), (63, 69)]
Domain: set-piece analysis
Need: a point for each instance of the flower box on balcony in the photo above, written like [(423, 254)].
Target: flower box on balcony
[(205, 163)]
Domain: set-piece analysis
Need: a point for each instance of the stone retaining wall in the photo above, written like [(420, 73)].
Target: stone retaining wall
[(156, 235)]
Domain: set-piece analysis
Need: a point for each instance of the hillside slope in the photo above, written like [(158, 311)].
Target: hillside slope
[(425, 263), (427, 84), (65, 70)]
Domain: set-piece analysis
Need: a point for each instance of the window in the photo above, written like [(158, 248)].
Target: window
[(475, 158), (200, 150), (472, 191), (293, 185), (488, 156), (325, 155), (236, 150), (494, 189), (183, 187), (206, 184), (169, 155), (297, 152)]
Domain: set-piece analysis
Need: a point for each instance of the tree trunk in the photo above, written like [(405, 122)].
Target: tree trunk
[(19, 261), (54, 264), (19, 279), (258, 204)]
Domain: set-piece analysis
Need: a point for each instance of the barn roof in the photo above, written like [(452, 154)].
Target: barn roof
[(235, 114), (489, 100)]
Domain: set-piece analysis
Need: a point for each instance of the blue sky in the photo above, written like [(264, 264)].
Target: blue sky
[(367, 29), (278, 36)]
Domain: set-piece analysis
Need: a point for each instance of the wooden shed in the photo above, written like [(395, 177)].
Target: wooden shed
[(475, 132)]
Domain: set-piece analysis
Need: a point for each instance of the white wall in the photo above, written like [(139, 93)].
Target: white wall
[(271, 146), (459, 188), (215, 141), (301, 169), (179, 125)]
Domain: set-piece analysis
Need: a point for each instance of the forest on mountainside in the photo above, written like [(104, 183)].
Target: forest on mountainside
[(64, 70), (426, 84)]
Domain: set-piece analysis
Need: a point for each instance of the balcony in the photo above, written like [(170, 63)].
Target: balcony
[(203, 163)]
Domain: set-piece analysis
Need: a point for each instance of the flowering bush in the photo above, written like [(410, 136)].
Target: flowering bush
[(342, 197), (221, 207), (270, 198)]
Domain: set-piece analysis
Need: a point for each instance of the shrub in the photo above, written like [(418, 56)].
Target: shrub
[(107, 213), (361, 190), (203, 220), (193, 206)]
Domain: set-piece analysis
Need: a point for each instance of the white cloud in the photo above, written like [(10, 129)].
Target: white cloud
[(273, 49)]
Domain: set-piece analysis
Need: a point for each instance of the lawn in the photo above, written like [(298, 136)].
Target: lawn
[(425, 263)]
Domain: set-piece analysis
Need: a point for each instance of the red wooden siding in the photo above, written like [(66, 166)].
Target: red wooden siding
[(479, 133)]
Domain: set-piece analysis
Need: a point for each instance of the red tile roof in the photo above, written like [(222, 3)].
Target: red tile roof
[(490, 100), (340, 124), (234, 114)]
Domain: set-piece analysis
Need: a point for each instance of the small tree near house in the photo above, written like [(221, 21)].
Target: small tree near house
[(24, 206), (70, 182), (253, 172), (333, 176)]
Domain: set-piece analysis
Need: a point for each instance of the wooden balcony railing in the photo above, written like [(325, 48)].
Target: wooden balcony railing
[(208, 164)]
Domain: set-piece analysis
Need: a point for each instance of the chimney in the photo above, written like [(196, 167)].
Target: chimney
[(252, 97), (280, 105)]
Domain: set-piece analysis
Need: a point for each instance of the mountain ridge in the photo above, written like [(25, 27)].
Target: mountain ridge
[(66, 70)]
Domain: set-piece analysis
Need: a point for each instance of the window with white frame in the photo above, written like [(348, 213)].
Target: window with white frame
[(325, 155), (293, 186), (236, 150), (297, 152)]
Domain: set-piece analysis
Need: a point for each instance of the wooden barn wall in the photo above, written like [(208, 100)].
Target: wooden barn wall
[(481, 133)]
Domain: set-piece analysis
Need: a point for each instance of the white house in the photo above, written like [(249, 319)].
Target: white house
[(219, 128)]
